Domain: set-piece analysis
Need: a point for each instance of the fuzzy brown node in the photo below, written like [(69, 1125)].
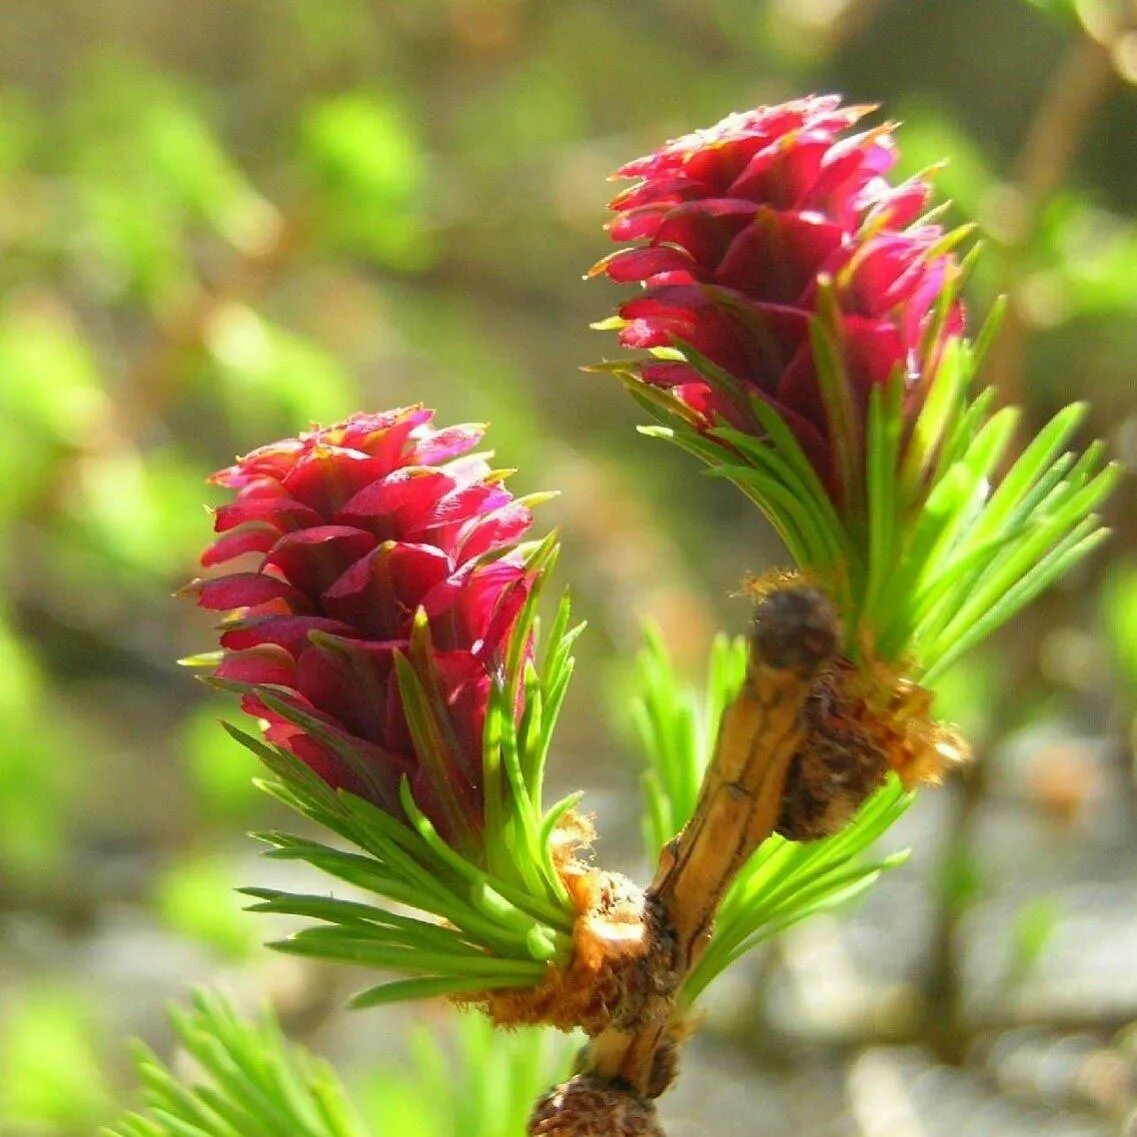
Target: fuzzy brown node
[(837, 767), (860, 723), (620, 960), (588, 1106), (665, 1060), (898, 712), (795, 629), (650, 984)]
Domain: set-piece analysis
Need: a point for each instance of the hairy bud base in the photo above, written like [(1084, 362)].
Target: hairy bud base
[(620, 960), (586, 1106)]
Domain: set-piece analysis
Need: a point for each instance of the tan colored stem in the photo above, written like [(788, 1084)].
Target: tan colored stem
[(738, 806), (737, 810)]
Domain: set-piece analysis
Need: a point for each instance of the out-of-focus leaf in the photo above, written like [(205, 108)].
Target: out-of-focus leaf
[(220, 768), (392, 1105), (1119, 621), (49, 1069), (1035, 923), (269, 378), (1087, 263), (199, 172), (485, 1084), (138, 512), (1063, 9), (20, 130), (48, 377), (962, 879), (930, 135), (963, 696), (367, 171), (196, 898), (128, 232), (146, 167), (49, 397), (131, 244), (529, 111), (36, 767)]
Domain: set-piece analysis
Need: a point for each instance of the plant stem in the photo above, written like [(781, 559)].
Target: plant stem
[(795, 635)]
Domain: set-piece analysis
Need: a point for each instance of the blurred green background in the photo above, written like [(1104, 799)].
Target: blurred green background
[(221, 220)]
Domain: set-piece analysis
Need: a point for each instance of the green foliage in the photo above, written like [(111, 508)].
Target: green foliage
[(49, 1063), (1119, 618), (485, 1083), (266, 378), (963, 879), (492, 937), (1064, 9), (251, 1082), (529, 112), (518, 829), (51, 383), (195, 898), (148, 170), (1034, 928), (367, 170), (979, 555), (166, 143), (49, 391), (1082, 262), (21, 132), (677, 731), (784, 881), (135, 516), (37, 766), (221, 770), (131, 198)]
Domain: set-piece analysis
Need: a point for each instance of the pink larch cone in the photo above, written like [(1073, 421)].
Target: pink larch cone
[(357, 528), (742, 231)]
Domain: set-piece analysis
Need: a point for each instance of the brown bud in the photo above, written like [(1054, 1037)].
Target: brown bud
[(587, 1106), (664, 1066), (837, 767), (795, 629)]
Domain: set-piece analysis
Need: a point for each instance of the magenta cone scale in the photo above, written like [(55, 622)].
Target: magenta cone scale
[(379, 538), (744, 235)]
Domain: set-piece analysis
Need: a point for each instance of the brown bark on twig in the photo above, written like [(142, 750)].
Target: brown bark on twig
[(796, 634)]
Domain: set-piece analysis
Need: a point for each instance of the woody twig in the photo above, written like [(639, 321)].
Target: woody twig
[(795, 635)]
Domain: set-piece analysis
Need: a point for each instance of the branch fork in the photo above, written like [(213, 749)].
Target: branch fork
[(795, 636)]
